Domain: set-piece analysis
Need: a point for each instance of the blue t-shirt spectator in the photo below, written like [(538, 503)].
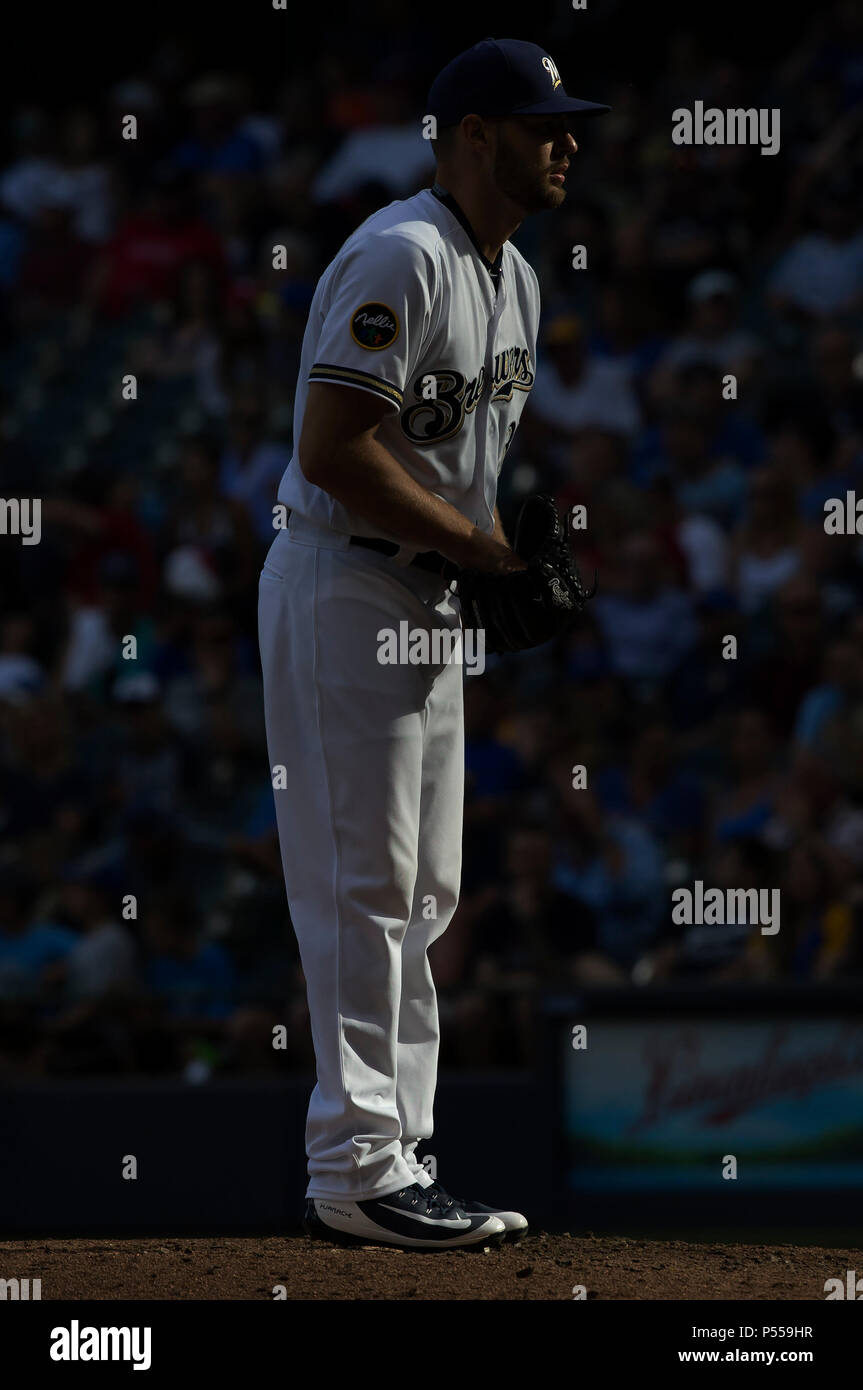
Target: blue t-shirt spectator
[(201, 986), (24, 956)]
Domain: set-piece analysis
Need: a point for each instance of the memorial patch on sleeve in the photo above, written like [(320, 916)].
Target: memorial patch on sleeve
[(374, 326)]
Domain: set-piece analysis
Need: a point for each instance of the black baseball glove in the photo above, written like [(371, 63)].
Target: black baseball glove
[(527, 607)]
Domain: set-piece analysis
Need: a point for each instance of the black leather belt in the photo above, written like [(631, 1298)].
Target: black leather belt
[(430, 560)]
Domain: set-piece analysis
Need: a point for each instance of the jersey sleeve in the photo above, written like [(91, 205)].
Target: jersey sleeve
[(377, 318)]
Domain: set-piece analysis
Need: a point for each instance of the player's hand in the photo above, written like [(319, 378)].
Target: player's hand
[(509, 563), (489, 555)]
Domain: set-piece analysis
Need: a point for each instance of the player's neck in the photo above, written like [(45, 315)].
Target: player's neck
[(493, 218)]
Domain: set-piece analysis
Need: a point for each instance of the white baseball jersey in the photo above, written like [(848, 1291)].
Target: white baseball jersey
[(411, 310)]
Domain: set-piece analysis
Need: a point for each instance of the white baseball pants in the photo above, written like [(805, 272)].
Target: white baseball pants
[(370, 825)]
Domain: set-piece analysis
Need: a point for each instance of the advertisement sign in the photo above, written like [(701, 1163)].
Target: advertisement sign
[(665, 1105)]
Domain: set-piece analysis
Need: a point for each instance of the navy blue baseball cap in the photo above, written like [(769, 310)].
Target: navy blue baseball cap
[(503, 77)]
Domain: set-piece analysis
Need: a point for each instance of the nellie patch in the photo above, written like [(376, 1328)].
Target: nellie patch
[(374, 326)]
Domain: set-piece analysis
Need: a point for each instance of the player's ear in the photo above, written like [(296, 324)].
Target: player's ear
[(479, 131)]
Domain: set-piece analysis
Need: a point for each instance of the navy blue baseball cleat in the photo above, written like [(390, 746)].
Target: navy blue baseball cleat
[(413, 1218), (515, 1225)]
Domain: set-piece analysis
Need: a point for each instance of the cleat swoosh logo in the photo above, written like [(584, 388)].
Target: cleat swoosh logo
[(451, 1223)]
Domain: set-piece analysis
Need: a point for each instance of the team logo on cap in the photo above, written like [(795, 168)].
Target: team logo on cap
[(374, 326), (551, 70)]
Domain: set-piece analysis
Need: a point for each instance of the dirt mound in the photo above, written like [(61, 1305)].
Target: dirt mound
[(541, 1267)]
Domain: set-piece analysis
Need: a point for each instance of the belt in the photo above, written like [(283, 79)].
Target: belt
[(430, 560)]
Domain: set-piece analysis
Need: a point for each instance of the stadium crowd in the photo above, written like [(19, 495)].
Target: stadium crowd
[(143, 925)]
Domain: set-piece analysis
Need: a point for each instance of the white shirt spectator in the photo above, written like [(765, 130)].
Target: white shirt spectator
[(820, 274), (91, 648), (88, 191), (20, 676), (647, 639), (758, 577), (33, 184), (725, 352), (705, 547), (397, 156), (254, 482), (844, 832), (601, 399), (102, 960)]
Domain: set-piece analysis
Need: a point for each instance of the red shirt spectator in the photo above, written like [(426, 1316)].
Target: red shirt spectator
[(144, 260)]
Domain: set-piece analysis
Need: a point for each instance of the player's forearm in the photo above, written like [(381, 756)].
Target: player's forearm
[(367, 480)]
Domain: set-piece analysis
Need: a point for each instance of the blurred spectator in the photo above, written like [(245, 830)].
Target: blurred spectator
[(28, 945), (528, 926), (575, 390), (707, 686), (840, 691), (103, 959), (34, 179), (20, 673), (85, 178), (252, 466), (697, 538), (42, 772), (189, 343), (150, 764), (54, 260), (193, 980), (218, 144), (392, 152), (838, 374), (494, 777), (728, 951), (508, 940), (821, 273), (713, 333), (626, 328), (612, 866), (752, 779), (704, 483), (208, 535), (142, 262), (767, 548), (783, 670), (649, 624), (653, 790)]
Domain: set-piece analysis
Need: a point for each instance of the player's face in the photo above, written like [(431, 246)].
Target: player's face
[(531, 158)]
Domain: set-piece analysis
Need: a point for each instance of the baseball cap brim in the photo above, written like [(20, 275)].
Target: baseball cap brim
[(561, 104)]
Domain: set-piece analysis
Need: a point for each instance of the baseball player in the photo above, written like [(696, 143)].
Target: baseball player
[(416, 364)]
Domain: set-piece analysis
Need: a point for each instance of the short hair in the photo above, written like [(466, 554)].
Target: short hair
[(444, 142)]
